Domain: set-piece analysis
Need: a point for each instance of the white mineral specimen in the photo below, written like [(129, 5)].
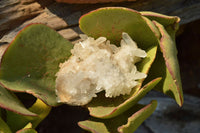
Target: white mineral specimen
[(97, 65)]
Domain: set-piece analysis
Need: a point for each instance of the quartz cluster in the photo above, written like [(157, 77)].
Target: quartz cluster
[(97, 65)]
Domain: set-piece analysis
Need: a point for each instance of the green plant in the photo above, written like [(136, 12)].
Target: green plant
[(31, 61)]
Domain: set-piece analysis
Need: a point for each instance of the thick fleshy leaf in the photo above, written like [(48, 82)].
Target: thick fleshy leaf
[(109, 108), (146, 63), (39, 107), (162, 19), (29, 125), (103, 107), (143, 66), (137, 119), (27, 130), (10, 102), (135, 116), (152, 27), (93, 126), (172, 85), (4, 127), (110, 22), (169, 67), (167, 84), (32, 60)]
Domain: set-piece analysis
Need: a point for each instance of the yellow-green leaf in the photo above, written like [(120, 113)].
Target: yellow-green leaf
[(39, 108), (9, 101), (27, 130), (110, 108), (110, 22), (162, 19), (4, 127), (126, 122), (172, 85)]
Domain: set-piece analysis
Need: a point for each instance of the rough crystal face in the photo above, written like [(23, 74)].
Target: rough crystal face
[(97, 65)]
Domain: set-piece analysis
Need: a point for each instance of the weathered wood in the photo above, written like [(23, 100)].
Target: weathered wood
[(69, 34), (2, 49), (15, 12), (90, 1), (48, 19)]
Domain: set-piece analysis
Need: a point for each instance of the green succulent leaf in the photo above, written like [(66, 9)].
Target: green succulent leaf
[(27, 130), (32, 60), (103, 107), (145, 64), (172, 84), (107, 108), (137, 118), (39, 107), (135, 115), (152, 27), (93, 126), (162, 19), (110, 22), (9, 101), (4, 127), (29, 125)]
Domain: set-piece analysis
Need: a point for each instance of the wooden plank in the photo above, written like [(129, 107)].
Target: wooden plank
[(15, 12)]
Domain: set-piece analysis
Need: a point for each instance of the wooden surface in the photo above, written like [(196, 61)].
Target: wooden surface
[(90, 1), (15, 14)]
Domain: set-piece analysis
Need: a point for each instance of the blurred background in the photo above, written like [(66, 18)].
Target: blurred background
[(168, 118)]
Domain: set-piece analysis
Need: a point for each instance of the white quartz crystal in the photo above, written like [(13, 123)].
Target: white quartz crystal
[(97, 65)]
